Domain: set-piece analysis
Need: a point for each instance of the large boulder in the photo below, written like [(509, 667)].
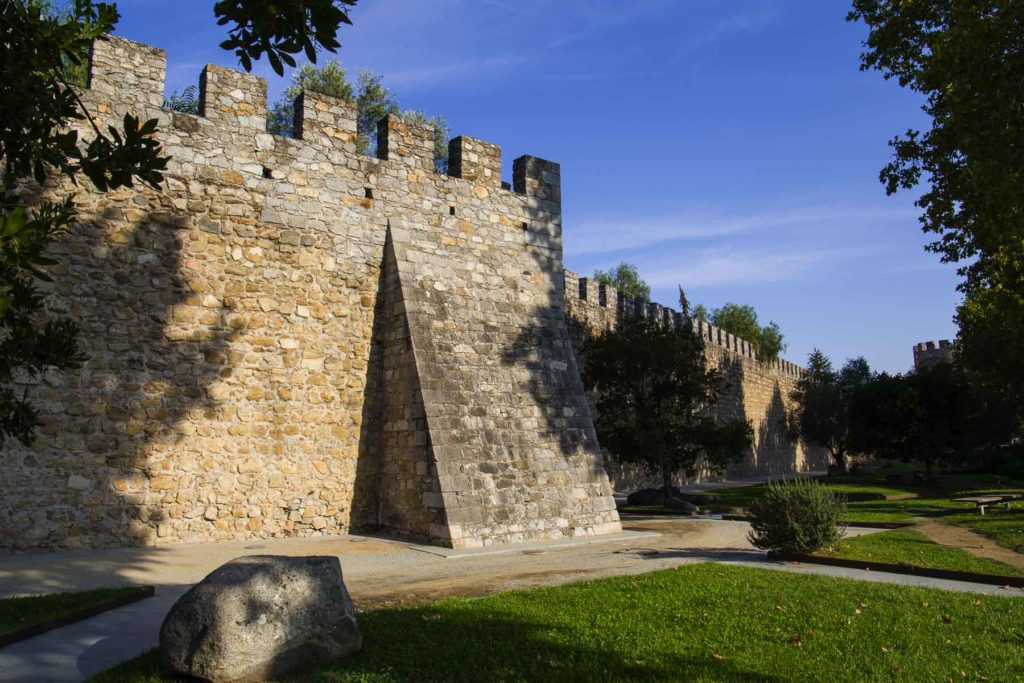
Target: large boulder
[(260, 617), (647, 497), (681, 505)]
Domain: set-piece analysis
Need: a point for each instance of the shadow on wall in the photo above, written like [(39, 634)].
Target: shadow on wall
[(551, 380), (776, 453), (772, 451), (155, 331)]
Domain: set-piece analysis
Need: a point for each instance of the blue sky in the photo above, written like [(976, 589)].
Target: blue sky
[(730, 147)]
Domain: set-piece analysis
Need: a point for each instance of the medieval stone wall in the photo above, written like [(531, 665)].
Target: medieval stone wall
[(758, 391), (292, 339)]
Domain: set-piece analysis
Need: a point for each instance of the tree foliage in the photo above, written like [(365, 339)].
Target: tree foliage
[(626, 279), (935, 415), (966, 58), (742, 322), (186, 102), (43, 53), (373, 102), (654, 399), (280, 30), (821, 404)]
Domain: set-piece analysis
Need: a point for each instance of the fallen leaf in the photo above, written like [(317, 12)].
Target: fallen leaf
[(718, 657), (885, 650)]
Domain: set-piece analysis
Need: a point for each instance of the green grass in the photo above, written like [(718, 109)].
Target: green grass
[(17, 613), (872, 499), (909, 547), (705, 622)]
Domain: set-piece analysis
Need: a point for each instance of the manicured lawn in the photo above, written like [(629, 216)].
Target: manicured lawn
[(872, 499), (705, 622), (16, 613), (909, 547)]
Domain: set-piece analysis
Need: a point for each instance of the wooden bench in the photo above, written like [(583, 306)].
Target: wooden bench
[(982, 502)]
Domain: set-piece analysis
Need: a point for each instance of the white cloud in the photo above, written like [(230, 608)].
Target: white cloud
[(749, 20), (730, 267), (598, 236)]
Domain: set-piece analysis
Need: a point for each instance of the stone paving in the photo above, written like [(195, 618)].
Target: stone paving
[(378, 572)]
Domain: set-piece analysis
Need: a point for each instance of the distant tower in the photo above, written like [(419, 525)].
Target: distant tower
[(930, 354)]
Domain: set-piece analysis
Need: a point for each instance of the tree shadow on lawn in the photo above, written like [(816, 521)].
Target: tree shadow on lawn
[(423, 644), (426, 644)]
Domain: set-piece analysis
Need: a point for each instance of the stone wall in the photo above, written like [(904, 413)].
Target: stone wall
[(759, 391), (929, 354), (292, 339)]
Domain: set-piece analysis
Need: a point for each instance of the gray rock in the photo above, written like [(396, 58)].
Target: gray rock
[(260, 617), (647, 497), (680, 505)]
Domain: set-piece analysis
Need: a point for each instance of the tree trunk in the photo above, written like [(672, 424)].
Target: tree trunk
[(839, 458), (666, 483)]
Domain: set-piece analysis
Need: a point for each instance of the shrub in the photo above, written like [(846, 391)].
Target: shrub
[(796, 516)]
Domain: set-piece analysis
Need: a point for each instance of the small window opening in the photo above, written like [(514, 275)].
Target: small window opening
[(369, 192), (451, 210), (524, 225), (267, 173)]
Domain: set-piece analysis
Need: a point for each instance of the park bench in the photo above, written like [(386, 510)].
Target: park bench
[(982, 502)]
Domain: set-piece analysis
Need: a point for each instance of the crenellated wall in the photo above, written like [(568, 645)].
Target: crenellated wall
[(759, 391), (930, 354), (290, 339)]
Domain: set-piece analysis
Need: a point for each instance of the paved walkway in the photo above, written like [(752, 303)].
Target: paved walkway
[(378, 572)]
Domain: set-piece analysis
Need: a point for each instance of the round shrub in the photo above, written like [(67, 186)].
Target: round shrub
[(796, 516)]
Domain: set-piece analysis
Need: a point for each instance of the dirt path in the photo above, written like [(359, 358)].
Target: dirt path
[(968, 541)]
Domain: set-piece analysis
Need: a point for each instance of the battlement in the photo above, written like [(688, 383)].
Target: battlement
[(931, 353), (126, 76), (593, 293)]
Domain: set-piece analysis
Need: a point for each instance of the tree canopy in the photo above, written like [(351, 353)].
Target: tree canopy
[(821, 404), (937, 414), (42, 56), (742, 322), (965, 57), (626, 279), (373, 102), (654, 395)]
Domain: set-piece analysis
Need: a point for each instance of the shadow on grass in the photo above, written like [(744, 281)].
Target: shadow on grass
[(697, 554), (426, 645)]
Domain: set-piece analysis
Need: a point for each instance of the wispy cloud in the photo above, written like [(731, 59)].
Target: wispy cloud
[(748, 20), (460, 70), (599, 236), (732, 267)]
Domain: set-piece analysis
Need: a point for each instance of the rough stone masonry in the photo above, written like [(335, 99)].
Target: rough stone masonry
[(293, 339), (290, 338)]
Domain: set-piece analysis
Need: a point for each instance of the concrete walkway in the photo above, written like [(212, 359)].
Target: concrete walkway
[(378, 572)]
